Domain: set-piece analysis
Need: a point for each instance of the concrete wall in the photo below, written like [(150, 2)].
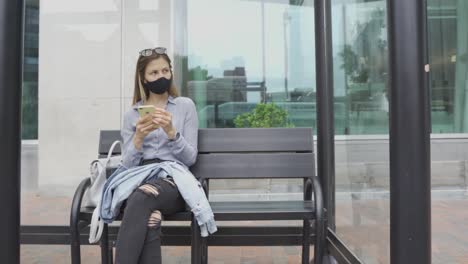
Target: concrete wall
[(87, 55), (363, 162)]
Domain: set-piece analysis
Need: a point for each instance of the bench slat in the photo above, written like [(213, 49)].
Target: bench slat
[(263, 210), (255, 139), (251, 210), (254, 165), (262, 206), (86, 214), (236, 140), (106, 138)]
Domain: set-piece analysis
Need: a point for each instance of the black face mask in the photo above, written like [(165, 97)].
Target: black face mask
[(159, 86)]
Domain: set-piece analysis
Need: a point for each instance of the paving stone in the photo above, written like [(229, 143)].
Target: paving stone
[(363, 224)]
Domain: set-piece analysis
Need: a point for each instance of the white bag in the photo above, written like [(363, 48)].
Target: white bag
[(98, 168), (93, 195)]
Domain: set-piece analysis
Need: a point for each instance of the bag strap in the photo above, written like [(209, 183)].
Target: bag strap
[(111, 149), (96, 226)]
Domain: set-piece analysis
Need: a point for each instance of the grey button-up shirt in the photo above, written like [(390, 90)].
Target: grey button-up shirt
[(156, 144)]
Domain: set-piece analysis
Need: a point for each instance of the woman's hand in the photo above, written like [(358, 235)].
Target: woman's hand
[(144, 126), (163, 119)]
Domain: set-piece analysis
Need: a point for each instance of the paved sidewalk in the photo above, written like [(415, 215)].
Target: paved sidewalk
[(362, 224)]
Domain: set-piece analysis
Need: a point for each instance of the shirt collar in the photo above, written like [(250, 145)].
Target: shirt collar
[(170, 99)]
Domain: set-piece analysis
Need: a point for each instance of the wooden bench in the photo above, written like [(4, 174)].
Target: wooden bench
[(260, 153)]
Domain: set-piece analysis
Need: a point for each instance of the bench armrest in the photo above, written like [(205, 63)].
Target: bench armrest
[(319, 220), (77, 198)]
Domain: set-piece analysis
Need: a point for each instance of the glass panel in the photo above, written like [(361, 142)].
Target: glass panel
[(361, 71), (88, 52), (360, 52), (30, 64), (265, 57), (442, 30), (29, 124), (273, 62), (229, 60), (448, 57), (86, 73), (79, 87), (362, 168)]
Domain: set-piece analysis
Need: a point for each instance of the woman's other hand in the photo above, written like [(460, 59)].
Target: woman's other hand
[(163, 119)]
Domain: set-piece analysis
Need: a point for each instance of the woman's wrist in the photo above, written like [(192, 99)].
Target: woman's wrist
[(171, 134), (137, 142)]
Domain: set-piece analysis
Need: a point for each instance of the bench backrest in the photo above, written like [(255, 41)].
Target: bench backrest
[(106, 138), (229, 153)]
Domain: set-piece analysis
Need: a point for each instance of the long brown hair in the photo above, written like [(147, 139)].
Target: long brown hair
[(142, 62)]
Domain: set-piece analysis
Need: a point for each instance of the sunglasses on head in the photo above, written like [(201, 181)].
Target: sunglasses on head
[(149, 52)]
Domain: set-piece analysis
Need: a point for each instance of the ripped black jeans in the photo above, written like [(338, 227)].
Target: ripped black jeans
[(139, 238)]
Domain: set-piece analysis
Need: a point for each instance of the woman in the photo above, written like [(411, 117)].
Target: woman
[(169, 134)]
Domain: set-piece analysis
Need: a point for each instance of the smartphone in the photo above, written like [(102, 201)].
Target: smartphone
[(146, 110)]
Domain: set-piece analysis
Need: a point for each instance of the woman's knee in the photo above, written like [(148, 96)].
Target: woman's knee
[(142, 196), (149, 189), (155, 219), (153, 234)]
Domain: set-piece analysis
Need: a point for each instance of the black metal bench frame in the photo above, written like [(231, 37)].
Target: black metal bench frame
[(262, 153)]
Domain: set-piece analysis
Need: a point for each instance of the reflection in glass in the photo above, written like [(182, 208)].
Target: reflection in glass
[(30, 71), (272, 60), (447, 25), (362, 59), (260, 58), (360, 50), (268, 57)]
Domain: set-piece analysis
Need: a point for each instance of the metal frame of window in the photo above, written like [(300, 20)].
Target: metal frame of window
[(325, 113), (11, 45)]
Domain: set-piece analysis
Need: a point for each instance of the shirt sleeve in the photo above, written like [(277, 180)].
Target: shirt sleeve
[(185, 146), (130, 155)]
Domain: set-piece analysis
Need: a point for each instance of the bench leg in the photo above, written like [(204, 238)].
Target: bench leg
[(199, 245), (306, 242), (195, 242), (204, 250), (111, 253), (105, 245), (75, 242)]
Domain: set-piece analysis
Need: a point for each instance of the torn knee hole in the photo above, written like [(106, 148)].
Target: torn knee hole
[(169, 181), (154, 220), (149, 189)]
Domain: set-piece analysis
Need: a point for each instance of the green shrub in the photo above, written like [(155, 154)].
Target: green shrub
[(264, 115)]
